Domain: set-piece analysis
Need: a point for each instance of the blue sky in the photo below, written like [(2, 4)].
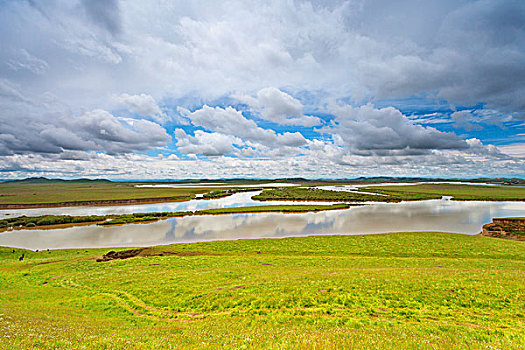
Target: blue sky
[(177, 89)]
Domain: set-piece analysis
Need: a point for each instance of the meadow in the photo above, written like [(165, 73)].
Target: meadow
[(88, 192), (388, 291), (71, 192), (459, 192)]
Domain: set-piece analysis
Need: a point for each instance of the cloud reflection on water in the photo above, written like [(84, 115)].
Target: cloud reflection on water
[(433, 215)]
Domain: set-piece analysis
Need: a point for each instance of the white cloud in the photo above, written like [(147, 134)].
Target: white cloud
[(24, 60), (143, 105), (24, 128), (279, 107), (230, 121), (316, 164), (463, 120), (207, 144), (514, 150)]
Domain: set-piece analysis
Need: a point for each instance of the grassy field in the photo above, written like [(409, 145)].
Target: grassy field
[(49, 192), (388, 291), (29, 193), (459, 192)]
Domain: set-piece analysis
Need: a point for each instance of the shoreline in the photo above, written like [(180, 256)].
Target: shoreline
[(107, 220), (262, 238), (95, 203)]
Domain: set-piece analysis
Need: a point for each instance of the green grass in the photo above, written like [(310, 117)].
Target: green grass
[(316, 194), (14, 193), (459, 192), (61, 192), (273, 208), (398, 193), (388, 291)]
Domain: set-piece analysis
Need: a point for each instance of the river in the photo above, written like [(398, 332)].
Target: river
[(466, 217)]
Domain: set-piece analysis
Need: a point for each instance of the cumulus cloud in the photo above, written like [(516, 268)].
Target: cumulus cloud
[(24, 128), (364, 50), (207, 144), (439, 163), (116, 135), (230, 121), (143, 105), (279, 107), (367, 130)]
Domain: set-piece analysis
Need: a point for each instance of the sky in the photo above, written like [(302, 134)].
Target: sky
[(164, 89)]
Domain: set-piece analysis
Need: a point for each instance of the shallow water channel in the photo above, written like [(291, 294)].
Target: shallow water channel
[(465, 217)]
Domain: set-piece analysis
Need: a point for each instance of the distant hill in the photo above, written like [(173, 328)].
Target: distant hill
[(45, 180)]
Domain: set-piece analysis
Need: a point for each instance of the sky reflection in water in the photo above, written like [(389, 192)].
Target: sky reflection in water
[(434, 215)]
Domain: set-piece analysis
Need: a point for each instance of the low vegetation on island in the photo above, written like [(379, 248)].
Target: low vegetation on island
[(457, 191), (316, 194), (392, 291), (398, 193)]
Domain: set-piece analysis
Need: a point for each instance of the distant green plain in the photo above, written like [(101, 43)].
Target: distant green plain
[(388, 291), (11, 193), (459, 192), (65, 191), (398, 193)]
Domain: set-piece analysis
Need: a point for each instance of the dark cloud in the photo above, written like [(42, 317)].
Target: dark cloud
[(370, 131), (24, 128), (105, 13), (473, 53)]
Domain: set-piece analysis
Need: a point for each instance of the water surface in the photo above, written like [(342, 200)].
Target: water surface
[(242, 199), (465, 217)]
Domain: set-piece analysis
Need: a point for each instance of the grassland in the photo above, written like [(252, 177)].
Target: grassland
[(389, 291), (459, 192), (85, 192), (66, 192)]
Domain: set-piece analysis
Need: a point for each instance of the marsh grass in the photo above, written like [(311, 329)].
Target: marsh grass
[(459, 192), (316, 194), (398, 193)]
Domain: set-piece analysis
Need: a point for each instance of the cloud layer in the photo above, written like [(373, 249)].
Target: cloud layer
[(268, 87)]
